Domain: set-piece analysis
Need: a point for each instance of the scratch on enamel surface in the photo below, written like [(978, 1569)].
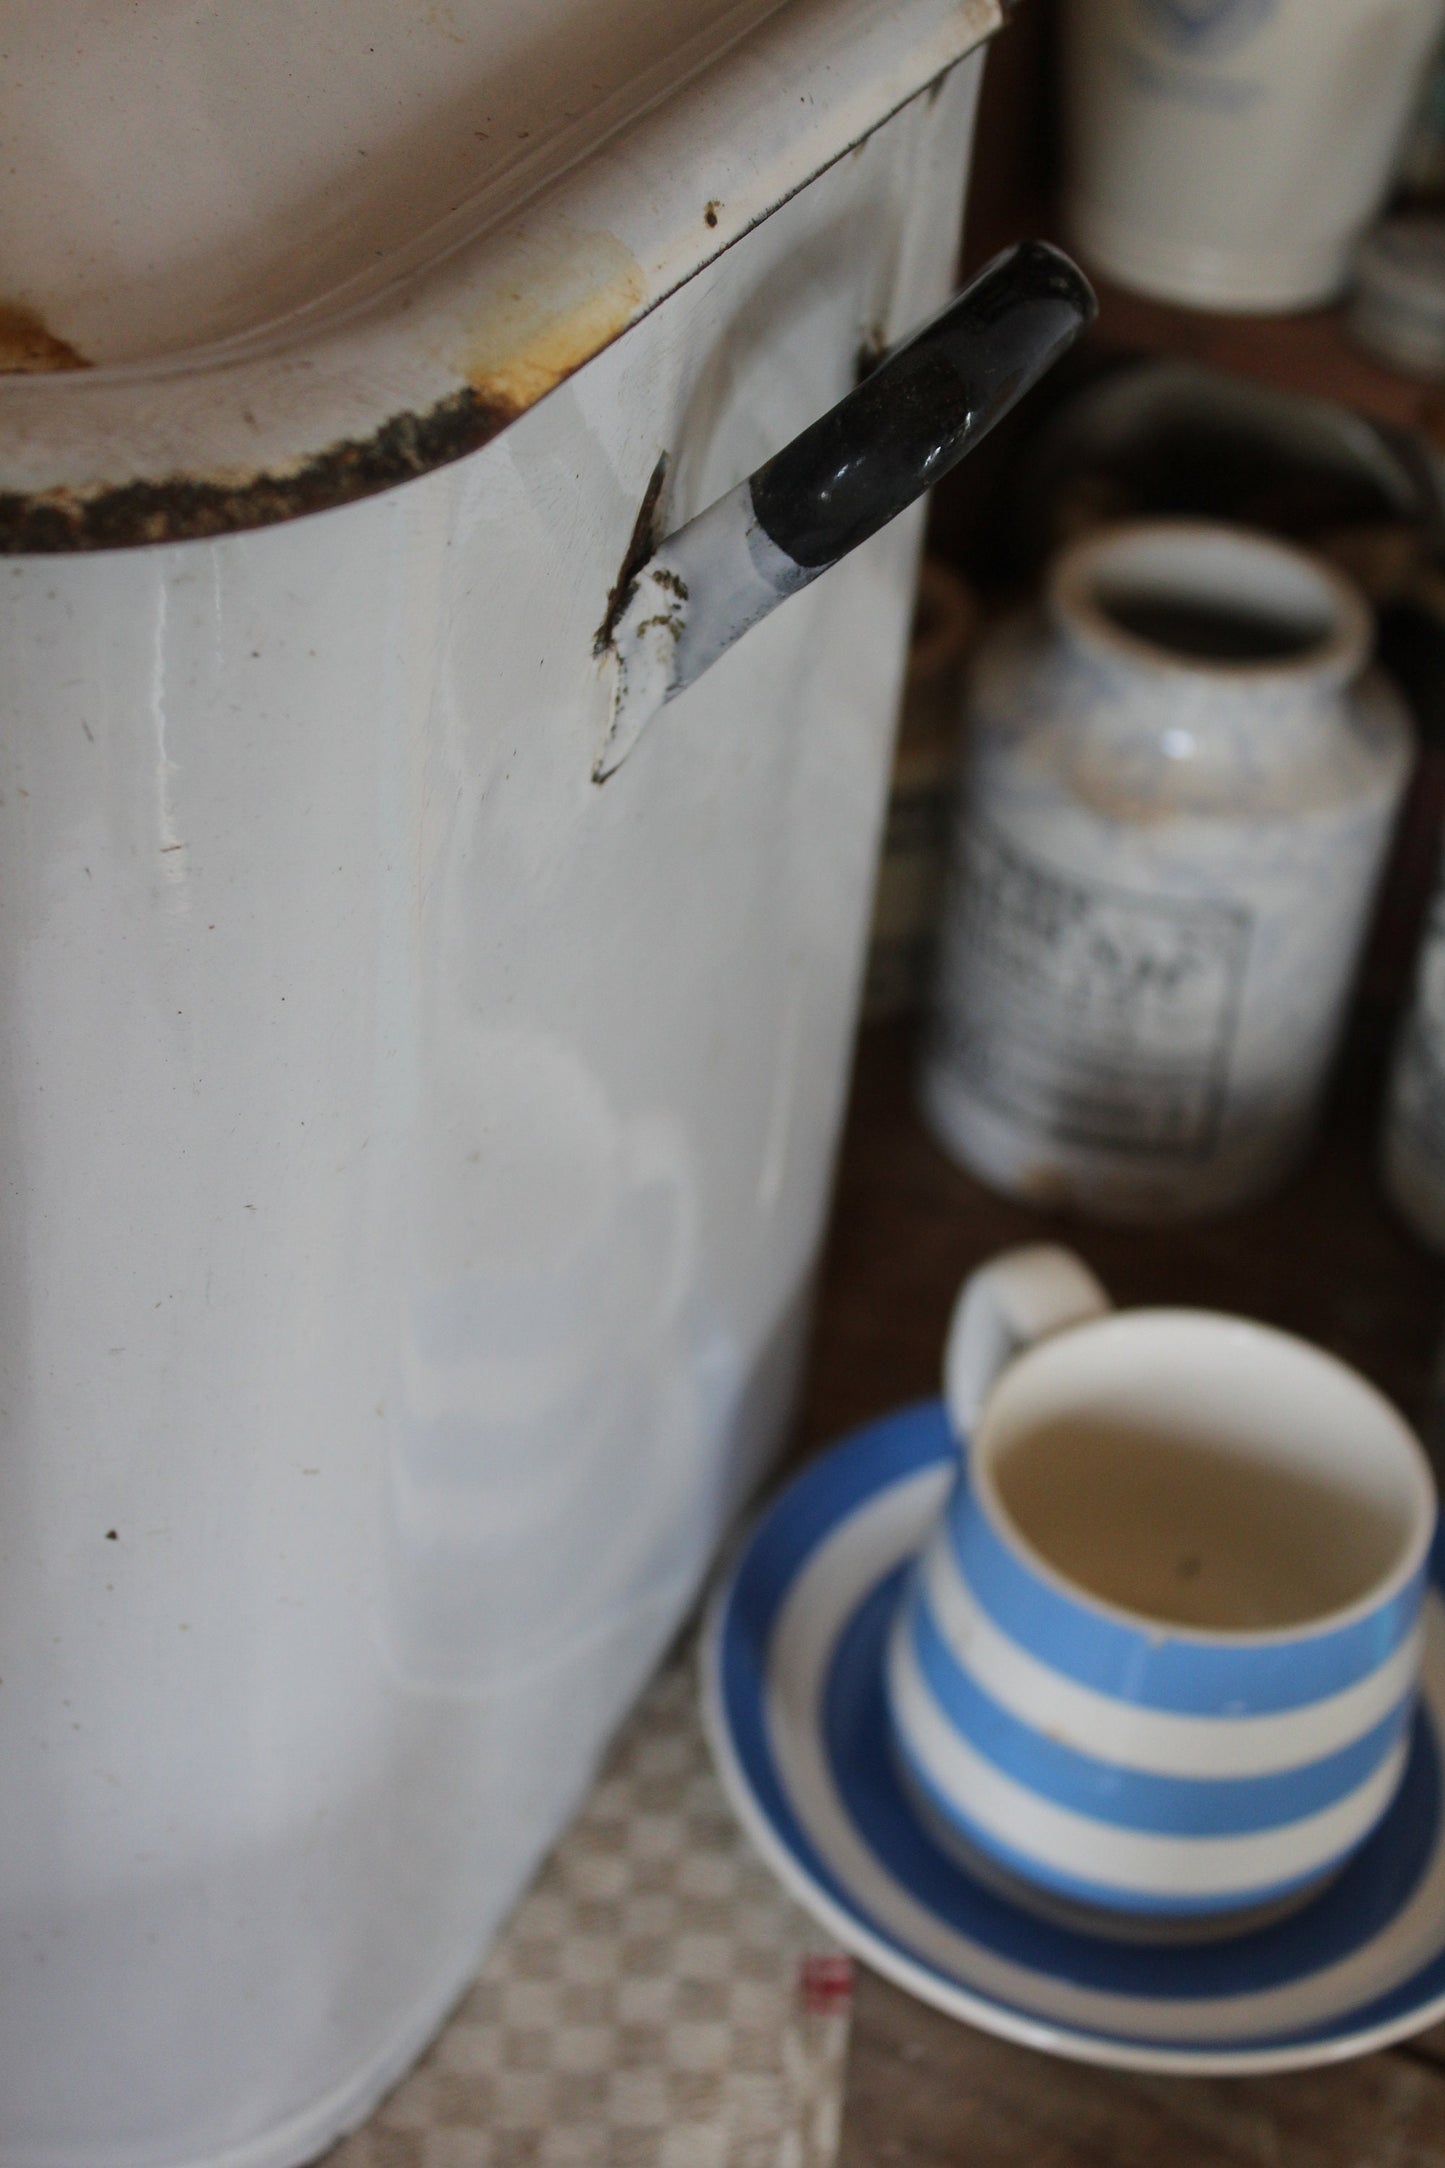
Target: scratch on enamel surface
[(170, 847)]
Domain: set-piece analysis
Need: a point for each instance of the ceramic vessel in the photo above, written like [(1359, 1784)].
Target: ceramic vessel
[(1151, 1702), (1178, 787), (1228, 154), (414, 1151)]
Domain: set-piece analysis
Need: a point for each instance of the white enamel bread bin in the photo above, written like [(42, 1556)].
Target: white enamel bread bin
[(413, 1149)]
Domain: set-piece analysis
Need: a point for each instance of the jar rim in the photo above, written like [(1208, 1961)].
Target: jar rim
[(1324, 623)]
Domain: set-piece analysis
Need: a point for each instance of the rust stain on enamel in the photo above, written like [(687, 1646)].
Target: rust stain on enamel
[(181, 507), (28, 348), (562, 304)]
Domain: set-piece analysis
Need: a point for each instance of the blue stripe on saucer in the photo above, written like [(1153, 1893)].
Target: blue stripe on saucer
[(1133, 1798), (807, 1511), (1161, 1670)]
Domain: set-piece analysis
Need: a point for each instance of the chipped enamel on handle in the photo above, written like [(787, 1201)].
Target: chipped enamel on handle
[(927, 403), (707, 585), (1023, 1296)]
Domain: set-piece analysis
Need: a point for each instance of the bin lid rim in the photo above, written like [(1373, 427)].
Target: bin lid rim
[(294, 338)]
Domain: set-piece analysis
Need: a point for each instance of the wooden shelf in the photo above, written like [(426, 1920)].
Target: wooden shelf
[(1310, 354)]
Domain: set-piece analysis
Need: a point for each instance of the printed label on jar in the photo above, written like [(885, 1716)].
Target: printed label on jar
[(1086, 1012)]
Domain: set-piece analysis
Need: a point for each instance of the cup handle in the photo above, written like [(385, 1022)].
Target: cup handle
[(1023, 1296)]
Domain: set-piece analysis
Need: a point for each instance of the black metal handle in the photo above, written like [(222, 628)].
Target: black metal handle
[(926, 404)]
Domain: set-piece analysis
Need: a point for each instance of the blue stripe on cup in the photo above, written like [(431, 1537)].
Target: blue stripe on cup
[(1132, 1798), (1156, 1669), (942, 1816)]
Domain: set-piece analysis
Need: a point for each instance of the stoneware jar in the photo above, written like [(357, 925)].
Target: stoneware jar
[(1229, 153), (1178, 786)]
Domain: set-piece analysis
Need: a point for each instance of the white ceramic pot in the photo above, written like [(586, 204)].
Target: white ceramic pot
[(413, 1151), (1178, 787), (1229, 153)]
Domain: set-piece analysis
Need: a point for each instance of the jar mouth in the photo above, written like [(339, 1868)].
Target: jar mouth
[(1188, 596)]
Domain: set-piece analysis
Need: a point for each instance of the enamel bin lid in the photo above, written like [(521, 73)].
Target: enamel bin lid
[(259, 259)]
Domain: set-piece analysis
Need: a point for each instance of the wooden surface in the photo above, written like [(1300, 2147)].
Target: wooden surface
[(925, 2092), (1310, 354), (1323, 1258)]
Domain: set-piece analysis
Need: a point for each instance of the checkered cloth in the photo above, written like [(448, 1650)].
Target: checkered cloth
[(655, 2002)]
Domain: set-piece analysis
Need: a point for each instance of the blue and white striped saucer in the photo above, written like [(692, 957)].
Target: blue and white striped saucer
[(793, 1702)]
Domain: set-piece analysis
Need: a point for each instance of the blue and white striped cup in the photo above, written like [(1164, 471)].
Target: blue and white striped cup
[(1155, 1666)]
